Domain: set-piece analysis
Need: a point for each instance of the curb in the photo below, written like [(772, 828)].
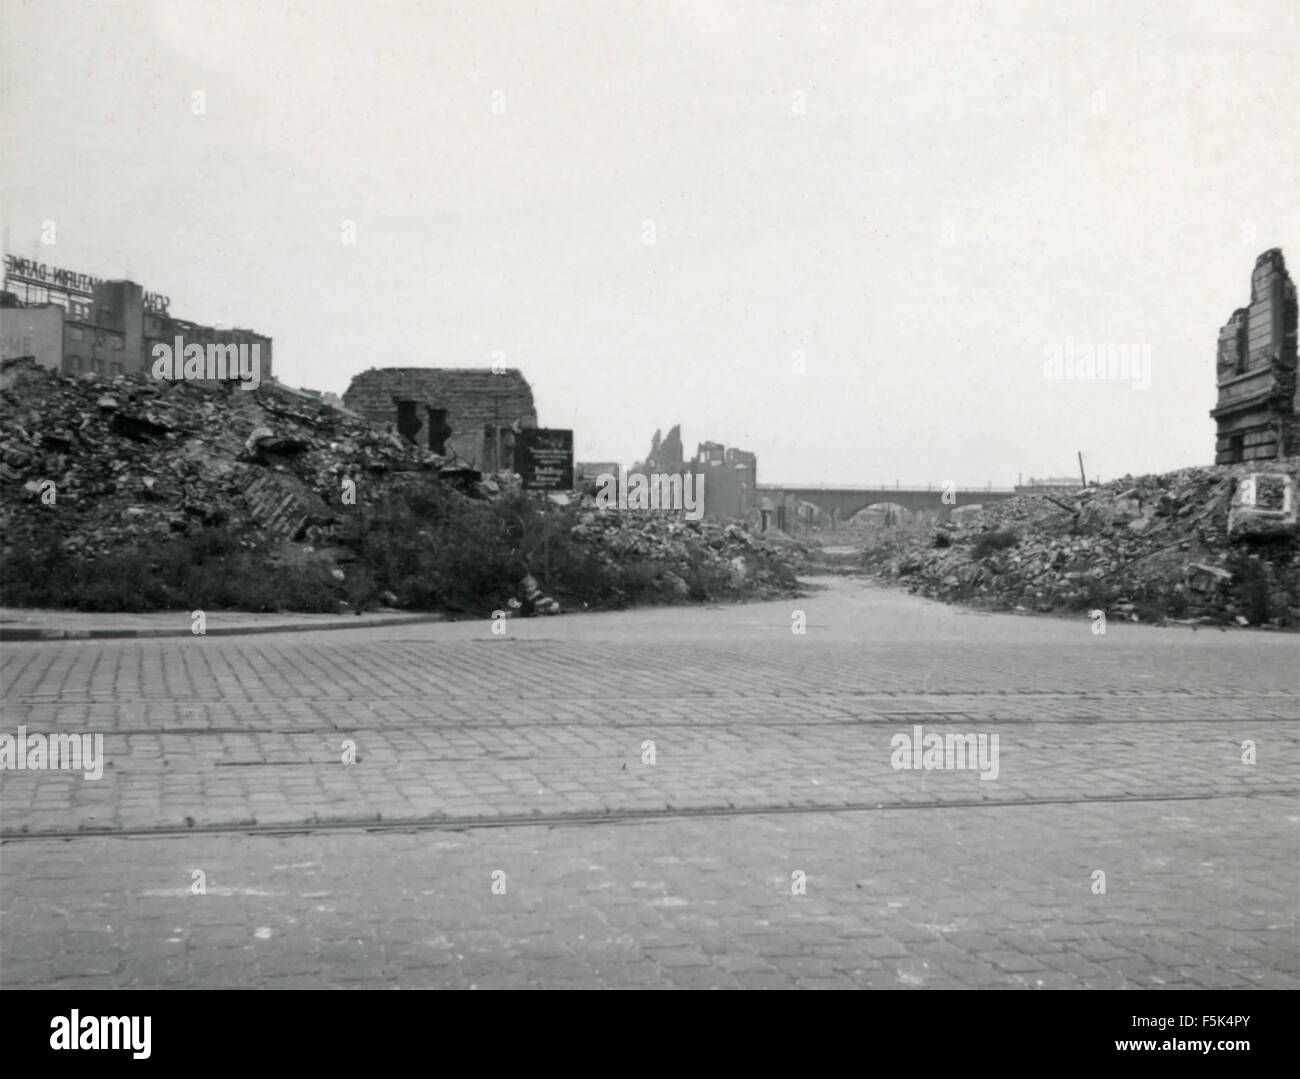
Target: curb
[(380, 823), (35, 633)]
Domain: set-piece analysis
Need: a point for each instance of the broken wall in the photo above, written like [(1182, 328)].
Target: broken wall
[(730, 475), (448, 410), (1257, 415)]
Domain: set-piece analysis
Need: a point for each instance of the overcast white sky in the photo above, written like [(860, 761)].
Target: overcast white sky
[(966, 184)]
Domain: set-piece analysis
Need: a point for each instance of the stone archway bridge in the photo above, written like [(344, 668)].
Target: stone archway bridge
[(841, 503)]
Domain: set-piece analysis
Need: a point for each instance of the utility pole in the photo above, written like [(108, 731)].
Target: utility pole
[(496, 432), (1083, 478)]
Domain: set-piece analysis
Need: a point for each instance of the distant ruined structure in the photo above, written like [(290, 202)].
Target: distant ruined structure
[(76, 324), (730, 475), (469, 412), (1258, 410), (666, 454)]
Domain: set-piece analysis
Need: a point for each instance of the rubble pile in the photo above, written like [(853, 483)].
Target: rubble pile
[(131, 460), (139, 494), (728, 556), (1201, 545)]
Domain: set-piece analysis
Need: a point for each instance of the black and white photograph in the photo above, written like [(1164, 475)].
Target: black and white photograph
[(650, 494)]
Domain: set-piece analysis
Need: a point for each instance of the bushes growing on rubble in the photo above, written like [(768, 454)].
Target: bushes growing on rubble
[(431, 546), (1252, 587), (438, 550), (209, 570), (160, 505), (434, 550)]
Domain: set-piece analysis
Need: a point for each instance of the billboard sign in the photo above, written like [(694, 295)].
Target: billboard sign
[(544, 458)]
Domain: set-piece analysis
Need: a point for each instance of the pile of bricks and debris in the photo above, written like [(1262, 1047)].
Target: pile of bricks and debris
[(728, 553), (128, 463), (1211, 545), (132, 460)]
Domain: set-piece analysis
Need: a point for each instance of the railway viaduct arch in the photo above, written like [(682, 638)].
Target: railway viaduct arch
[(841, 503)]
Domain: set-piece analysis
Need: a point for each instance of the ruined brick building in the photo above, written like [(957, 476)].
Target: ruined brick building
[(730, 475), (666, 454), (468, 412), (1258, 411)]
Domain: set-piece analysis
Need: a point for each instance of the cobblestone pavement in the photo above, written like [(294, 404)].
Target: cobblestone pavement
[(526, 756)]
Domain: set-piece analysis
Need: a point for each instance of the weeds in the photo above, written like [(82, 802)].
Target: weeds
[(432, 547)]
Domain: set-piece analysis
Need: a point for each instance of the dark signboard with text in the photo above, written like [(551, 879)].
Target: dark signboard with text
[(544, 458)]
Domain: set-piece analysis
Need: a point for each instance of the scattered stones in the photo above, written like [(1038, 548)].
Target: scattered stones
[(134, 460), (293, 480), (1216, 544), (724, 552)]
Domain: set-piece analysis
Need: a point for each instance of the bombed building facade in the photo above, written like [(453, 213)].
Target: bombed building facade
[(1258, 411), (730, 475), (76, 324), (471, 413), (731, 483)]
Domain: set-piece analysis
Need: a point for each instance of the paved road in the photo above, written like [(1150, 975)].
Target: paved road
[(503, 824)]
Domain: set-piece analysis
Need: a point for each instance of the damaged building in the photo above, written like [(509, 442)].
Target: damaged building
[(731, 483), (470, 413), (77, 324), (1258, 413), (730, 475)]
